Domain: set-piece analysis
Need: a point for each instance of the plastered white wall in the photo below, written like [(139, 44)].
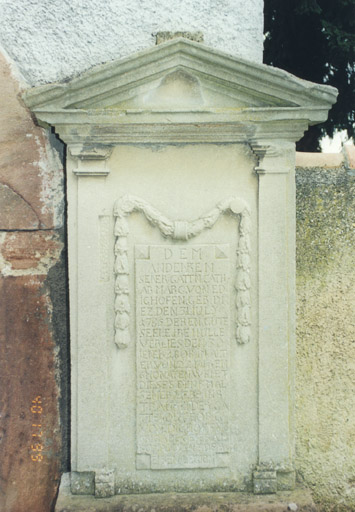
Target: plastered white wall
[(51, 40)]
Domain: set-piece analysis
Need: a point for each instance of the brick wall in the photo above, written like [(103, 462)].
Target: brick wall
[(33, 324)]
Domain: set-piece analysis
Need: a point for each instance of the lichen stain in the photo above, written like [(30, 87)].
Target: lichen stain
[(325, 382)]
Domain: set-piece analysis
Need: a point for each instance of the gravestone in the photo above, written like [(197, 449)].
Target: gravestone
[(181, 232)]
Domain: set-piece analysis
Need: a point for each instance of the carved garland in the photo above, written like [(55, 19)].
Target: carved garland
[(180, 230)]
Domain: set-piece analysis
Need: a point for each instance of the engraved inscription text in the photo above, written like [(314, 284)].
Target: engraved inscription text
[(183, 343)]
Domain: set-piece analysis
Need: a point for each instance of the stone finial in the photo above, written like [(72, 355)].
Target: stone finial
[(162, 37)]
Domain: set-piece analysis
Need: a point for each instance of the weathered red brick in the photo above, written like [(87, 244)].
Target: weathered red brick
[(27, 249), (23, 155), (15, 213), (325, 160), (28, 370), (350, 155)]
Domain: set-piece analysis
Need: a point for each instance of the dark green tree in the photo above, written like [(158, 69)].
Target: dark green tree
[(315, 40)]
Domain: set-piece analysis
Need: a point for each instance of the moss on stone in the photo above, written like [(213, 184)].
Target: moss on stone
[(325, 385), (325, 218)]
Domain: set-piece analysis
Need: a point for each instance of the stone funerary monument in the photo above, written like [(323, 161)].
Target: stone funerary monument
[(181, 219)]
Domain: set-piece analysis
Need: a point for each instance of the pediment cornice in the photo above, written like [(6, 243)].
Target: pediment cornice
[(183, 85)]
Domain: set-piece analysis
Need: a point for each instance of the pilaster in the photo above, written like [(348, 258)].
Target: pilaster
[(276, 313), (87, 164)]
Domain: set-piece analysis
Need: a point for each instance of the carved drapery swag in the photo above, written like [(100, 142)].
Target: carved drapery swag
[(180, 230)]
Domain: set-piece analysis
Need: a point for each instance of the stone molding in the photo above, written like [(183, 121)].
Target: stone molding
[(185, 502), (180, 230), (91, 152), (286, 88), (91, 160), (237, 100), (274, 157)]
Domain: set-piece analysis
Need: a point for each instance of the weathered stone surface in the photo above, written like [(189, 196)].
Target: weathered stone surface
[(264, 482), (110, 402), (325, 386), (189, 86), (321, 160), (15, 213), (344, 158), (198, 502), (30, 444), (286, 480), (349, 150), (104, 483), (36, 250), (217, 409), (31, 284), (161, 37), (169, 400), (82, 482), (29, 167)]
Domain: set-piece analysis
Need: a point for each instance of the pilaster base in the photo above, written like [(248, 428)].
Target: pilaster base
[(269, 481), (264, 482), (99, 483)]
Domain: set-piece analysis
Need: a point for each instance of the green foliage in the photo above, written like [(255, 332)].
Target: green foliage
[(315, 40)]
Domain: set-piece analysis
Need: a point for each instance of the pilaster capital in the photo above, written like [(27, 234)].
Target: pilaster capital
[(91, 159), (274, 157)]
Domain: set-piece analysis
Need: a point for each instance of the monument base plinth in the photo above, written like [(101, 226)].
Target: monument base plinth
[(299, 500)]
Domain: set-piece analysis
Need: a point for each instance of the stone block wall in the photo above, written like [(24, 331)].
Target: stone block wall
[(325, 363), (34, 343)]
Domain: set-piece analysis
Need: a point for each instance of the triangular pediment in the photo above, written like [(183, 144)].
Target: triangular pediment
[(179, 75), (179, 92)]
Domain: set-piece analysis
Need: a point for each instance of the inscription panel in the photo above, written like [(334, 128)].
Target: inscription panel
[(183, 354)]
